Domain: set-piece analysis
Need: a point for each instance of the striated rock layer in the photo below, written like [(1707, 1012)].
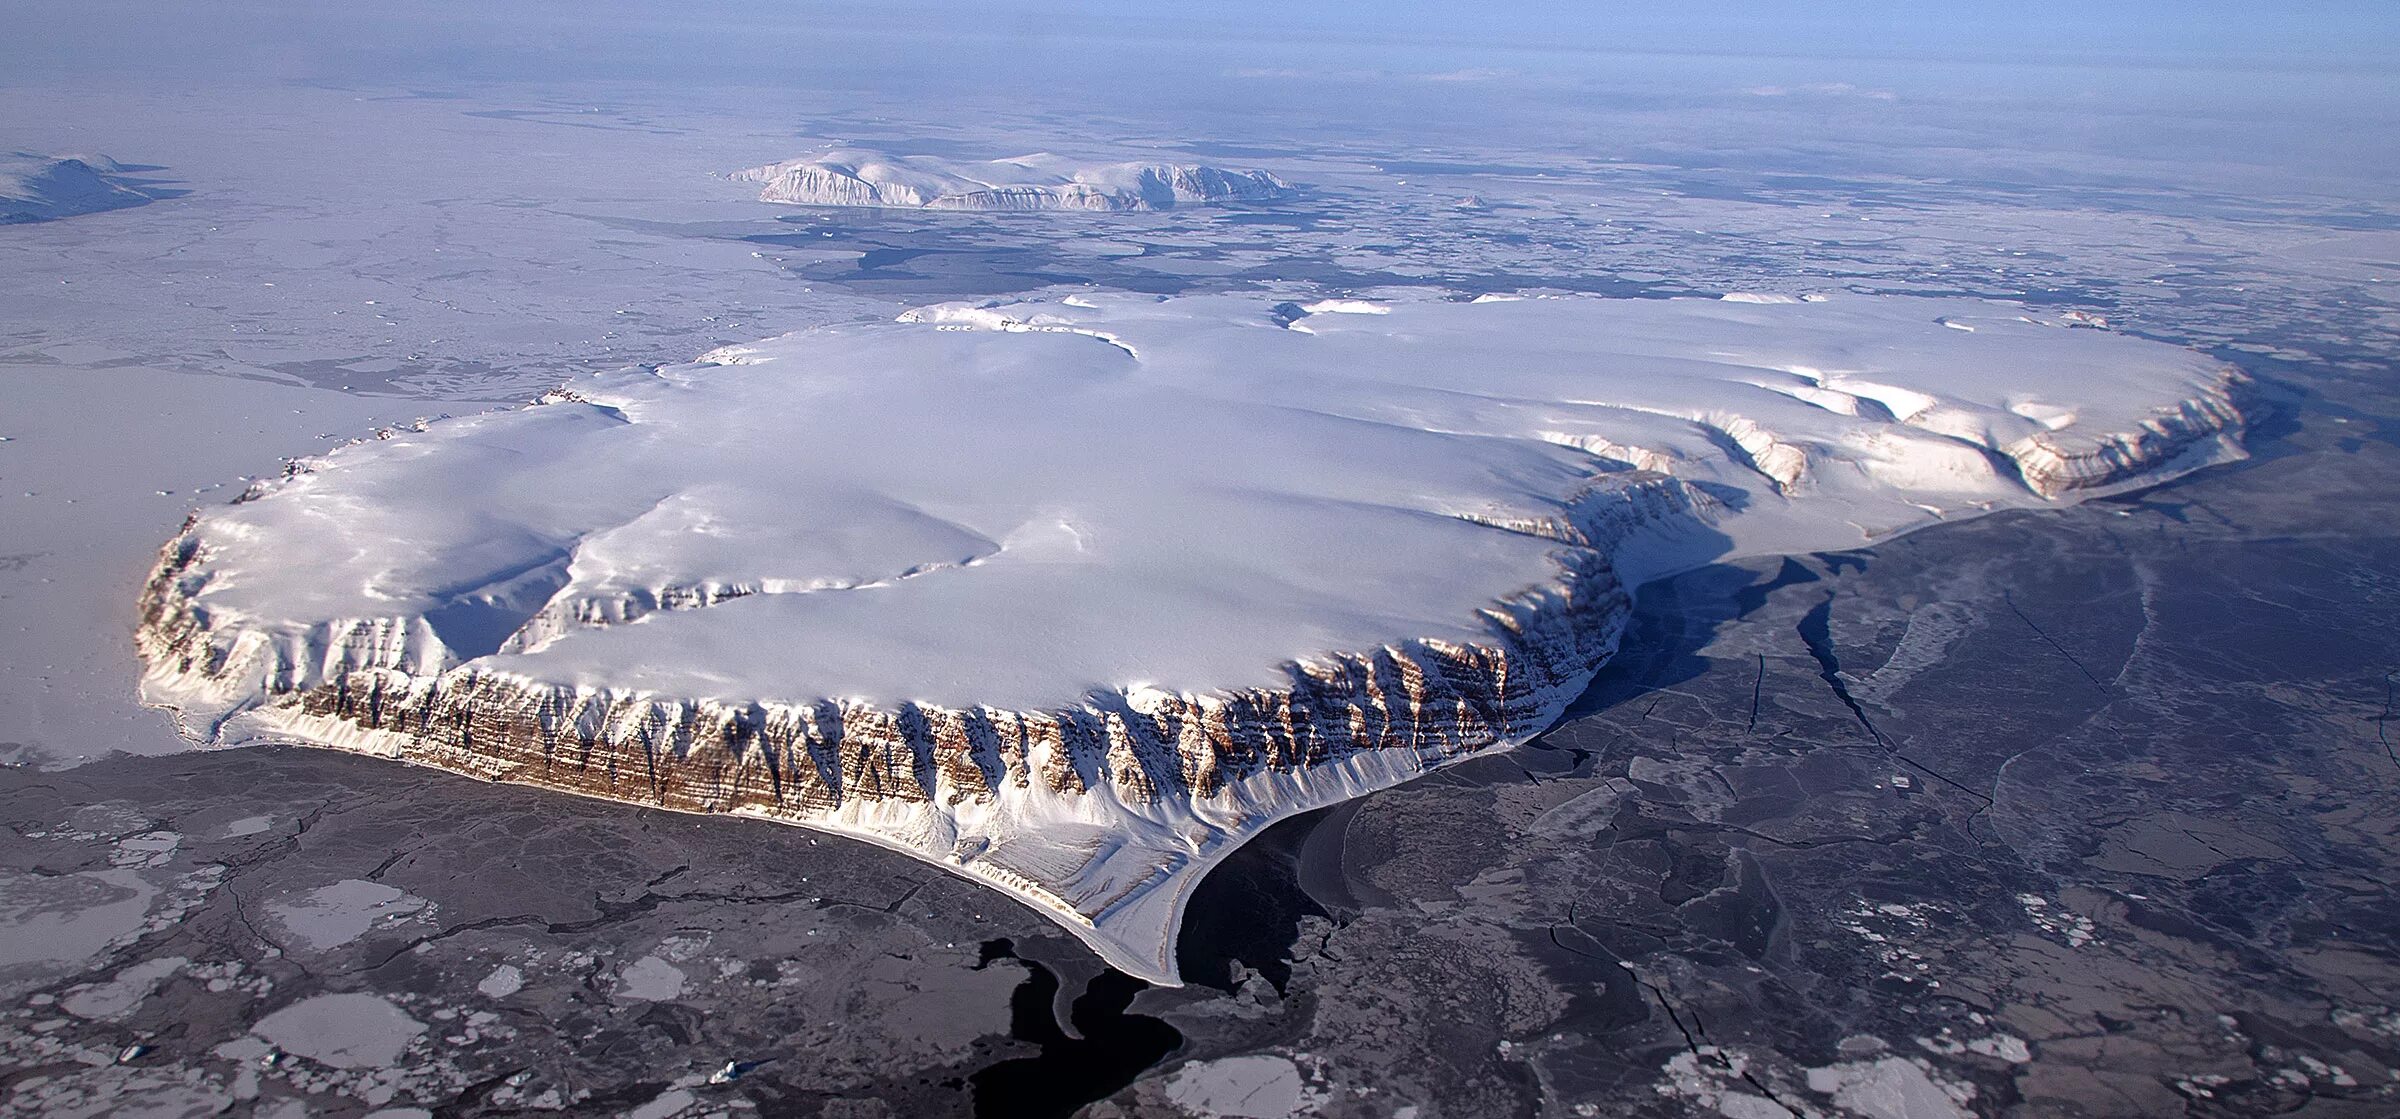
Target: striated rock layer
[(1032, 182), (1073, 597)]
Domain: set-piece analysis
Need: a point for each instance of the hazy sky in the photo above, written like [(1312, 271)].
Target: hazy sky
[(147, 34), (2036, 89)]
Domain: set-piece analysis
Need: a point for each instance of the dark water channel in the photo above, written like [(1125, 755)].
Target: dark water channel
[(1069, 1072)]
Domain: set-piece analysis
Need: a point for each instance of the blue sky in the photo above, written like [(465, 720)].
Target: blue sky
[(2290, 33)]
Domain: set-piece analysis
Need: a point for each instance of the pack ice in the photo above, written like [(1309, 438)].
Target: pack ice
[(1041, 181), (1073, 596)]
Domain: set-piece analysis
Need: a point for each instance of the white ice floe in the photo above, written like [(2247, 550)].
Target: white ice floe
[(331, 916), (342, 1030), (1041, 181), (650, 979), (1072, 597), (1254, 1086), (504, 980)]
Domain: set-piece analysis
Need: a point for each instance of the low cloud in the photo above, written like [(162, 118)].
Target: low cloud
[(1822, 89)]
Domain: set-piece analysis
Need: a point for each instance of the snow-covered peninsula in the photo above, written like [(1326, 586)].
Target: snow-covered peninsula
[(1073, 596), (1041, 181), (36, 187)]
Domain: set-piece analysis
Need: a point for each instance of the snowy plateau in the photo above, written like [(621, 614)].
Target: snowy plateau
[(43, 188), (1073, 596), (1032, 182)]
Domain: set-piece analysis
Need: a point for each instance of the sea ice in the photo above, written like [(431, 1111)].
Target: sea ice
[(342, 1030), (331, 916)]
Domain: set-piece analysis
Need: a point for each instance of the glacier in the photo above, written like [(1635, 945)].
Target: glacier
[(1041, 181), (1073, 595)]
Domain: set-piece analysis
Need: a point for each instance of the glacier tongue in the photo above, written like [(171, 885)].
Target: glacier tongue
[(1074, 596)]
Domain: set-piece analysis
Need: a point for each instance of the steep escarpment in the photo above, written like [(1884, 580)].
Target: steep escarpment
[(798, 759), (1033, 182), (1072, 597), (2195, 427), (1169, 780)]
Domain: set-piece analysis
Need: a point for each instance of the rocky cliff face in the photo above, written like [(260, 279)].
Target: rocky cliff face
[(1175, 779), (649, 591), (2193, 427), (1029, 183), (800, 760)]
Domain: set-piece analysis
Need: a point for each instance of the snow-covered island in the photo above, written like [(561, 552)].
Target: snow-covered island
[(1041, 181), (1074, 596), (46, 187)]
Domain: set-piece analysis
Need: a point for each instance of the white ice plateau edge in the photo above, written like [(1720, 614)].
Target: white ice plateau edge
[(1041, 181), (1073, 596)]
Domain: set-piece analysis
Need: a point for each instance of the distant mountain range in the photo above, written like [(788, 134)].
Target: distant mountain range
[(1033, 182)]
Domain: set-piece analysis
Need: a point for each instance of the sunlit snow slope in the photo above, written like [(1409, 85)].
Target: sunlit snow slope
[(1072, 597), (42, 188)]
